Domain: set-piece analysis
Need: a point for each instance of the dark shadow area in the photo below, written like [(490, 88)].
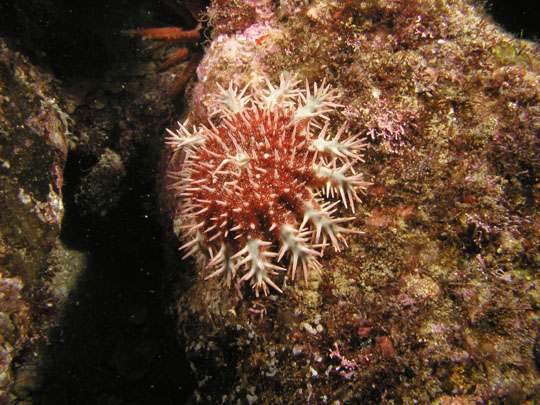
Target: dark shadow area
[(71, 39), (116, 343), (59, 38), (520, 17)]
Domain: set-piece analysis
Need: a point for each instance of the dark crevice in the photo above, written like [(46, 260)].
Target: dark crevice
[(115, 341), (520, 17)]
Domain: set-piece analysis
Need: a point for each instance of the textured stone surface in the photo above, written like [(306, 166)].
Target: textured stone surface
[(438, 301), (33, 151)]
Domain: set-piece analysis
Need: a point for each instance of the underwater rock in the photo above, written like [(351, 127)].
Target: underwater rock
[(33, 135), (438, 300)]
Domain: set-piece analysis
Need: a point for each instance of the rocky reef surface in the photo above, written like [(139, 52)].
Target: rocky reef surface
[(434, 296), (437, 302)]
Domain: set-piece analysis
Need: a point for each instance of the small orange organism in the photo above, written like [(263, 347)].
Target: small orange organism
[(178, 34)]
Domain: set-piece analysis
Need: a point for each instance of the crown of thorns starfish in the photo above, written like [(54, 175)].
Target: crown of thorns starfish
[(260, 184)]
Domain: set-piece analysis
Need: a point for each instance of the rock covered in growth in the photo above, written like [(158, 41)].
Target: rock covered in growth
[(253, 183), (438, 302), (14, 326), (34, 128)]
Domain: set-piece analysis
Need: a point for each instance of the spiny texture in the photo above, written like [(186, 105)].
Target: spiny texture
[(253, 183)]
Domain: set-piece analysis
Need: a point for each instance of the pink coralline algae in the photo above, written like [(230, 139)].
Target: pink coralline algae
[(253, 184)]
